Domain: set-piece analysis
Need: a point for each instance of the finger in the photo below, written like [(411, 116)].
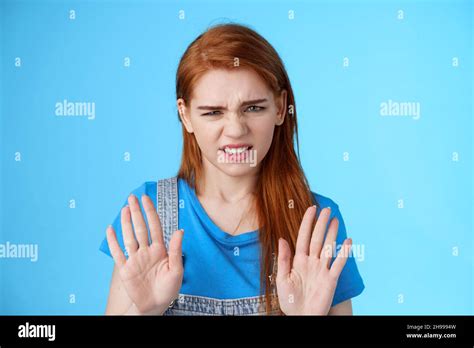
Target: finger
[(175, 253), (328, 247), (341, 259), (284, 260), (304, 233), (129, 240), (138, 222), (317, 238), (115, 250), (154, 223)]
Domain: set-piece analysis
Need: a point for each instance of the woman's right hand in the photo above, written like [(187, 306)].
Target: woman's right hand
[(151, 276)]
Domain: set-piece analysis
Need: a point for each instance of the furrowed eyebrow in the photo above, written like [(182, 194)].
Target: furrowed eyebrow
[(245, 103)]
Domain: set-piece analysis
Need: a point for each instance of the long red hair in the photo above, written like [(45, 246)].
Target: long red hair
[(282, 192)]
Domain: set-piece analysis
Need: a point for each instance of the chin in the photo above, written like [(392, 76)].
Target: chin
[(236, 170)]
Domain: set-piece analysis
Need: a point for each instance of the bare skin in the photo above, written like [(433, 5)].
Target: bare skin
[(150, 278), (219, 114), (308, 286)]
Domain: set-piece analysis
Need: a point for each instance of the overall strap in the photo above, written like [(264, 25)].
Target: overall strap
[(167, 206), (272, 276)]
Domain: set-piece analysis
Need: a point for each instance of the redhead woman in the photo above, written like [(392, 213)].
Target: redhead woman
[(238, 230)]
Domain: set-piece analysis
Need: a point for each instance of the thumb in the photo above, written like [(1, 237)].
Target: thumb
[(175, 253), (284, 254)]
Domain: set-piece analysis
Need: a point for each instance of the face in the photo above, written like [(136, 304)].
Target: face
[(233, 115)]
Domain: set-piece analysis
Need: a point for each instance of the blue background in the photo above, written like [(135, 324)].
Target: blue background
[(408, 251)]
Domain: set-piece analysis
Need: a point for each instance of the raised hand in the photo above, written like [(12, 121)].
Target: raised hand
[(151, 276), (307, 286)]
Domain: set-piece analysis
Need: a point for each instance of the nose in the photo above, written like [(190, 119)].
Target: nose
[(235, 126)]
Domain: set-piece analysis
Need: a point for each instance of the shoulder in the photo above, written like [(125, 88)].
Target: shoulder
[(151, 187), (324, 201), (147, 187)]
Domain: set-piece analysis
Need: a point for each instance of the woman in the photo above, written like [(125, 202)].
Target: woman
[(241, 197)]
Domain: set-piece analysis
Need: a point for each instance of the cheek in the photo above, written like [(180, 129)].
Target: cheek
[(263, 132), (206, 134)]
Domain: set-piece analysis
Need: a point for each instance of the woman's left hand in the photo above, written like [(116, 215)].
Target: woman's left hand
[(308, 286)]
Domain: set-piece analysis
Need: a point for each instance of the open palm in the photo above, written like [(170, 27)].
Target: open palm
[(307, 286), (151, 276)]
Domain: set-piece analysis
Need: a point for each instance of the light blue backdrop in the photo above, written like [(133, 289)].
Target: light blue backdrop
[(403, 184)]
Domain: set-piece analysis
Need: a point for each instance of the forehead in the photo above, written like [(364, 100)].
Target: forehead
[(223, 86)]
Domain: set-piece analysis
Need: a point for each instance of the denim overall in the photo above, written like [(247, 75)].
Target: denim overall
[(167, 207)]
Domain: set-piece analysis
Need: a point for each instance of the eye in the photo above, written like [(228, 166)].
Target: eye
[(255, 108), (212, 113)]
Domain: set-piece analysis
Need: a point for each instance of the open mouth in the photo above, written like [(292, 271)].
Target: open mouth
[(239, 153), (235, 150)]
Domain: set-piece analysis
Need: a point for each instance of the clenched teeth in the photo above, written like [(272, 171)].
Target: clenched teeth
[(233, 151)]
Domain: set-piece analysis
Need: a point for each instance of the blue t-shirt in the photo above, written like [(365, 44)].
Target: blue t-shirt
[(222, 266)]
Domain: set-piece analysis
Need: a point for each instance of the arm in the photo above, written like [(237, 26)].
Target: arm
[(343, 308)]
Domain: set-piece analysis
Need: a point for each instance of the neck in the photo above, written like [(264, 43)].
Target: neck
[(216, 184)]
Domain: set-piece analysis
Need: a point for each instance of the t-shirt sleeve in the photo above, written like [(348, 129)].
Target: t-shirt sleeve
[(350, 283), (117, 225)]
